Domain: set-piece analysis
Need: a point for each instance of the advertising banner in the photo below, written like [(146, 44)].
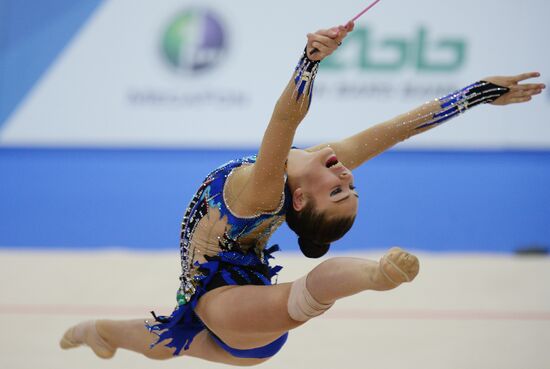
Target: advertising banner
[(183, 74)]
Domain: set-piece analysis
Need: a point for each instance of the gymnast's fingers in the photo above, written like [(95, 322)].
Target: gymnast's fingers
[(349, 26), (323, 51), (342, 33), (524, 76), (528, 86), (534, 92), (330, 33), (525, 92), (518, 100), (325, 40)]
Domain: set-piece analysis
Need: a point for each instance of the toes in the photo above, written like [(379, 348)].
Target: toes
[(412, 266), (405, 264), (67, 341), (395, 250)]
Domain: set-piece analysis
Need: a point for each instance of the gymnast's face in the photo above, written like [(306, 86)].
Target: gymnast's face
[(320, 176)]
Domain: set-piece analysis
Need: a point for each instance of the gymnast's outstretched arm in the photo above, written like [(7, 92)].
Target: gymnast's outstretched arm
[(357, 149), (266, 183)]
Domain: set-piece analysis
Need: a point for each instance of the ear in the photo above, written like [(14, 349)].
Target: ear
[(298, 199)]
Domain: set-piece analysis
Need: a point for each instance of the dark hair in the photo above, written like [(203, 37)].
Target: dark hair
[(316, 230)]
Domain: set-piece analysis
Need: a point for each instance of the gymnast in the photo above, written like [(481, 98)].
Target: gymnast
[(228, 310)]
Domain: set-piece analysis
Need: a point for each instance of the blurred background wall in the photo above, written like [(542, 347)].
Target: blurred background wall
[(112, 112)]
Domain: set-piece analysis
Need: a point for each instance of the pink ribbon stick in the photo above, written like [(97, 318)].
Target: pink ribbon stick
[(364, 11), (313, 51)]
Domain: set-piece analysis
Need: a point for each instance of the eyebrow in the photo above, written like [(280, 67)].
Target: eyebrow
[(345, 198), (342, 199)]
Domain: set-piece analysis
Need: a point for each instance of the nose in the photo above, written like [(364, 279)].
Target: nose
[(344, 175)]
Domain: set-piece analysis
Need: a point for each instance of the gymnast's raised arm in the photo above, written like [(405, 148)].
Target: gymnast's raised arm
[(355, 150), (266, 177)]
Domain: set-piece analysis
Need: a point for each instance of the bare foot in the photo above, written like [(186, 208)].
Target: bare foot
[(85, 333), (398, 266)]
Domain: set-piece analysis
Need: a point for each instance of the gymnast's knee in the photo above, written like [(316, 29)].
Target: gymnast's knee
[(302, 306)]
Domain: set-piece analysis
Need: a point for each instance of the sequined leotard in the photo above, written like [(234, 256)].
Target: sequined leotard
[(218, 248)]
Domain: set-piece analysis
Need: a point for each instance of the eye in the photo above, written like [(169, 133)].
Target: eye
[(352, 187), (336, 191)]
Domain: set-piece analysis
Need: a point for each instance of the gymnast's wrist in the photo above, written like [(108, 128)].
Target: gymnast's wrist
[(502, 90), (306, 60), (304, 76), (481, 92), (458, 102)]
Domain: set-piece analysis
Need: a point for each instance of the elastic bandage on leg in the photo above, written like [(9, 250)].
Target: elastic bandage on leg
[(301, 305)]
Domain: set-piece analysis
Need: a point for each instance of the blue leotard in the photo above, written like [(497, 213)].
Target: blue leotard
[(219, 248)]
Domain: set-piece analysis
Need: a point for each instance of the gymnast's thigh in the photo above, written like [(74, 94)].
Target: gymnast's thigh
[(247, 316)]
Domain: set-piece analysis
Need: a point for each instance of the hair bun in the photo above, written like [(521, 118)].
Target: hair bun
[(312, 249)]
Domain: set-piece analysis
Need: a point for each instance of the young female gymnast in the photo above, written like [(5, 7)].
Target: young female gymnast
[(227, 310)]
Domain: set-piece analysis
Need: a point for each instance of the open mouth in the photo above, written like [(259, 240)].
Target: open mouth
[(332, 161)]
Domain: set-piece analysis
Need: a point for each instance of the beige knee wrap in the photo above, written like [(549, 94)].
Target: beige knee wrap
[(301, 305)]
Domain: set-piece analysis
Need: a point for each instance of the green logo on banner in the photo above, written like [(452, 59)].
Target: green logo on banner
[(194, 40), (393, 54)]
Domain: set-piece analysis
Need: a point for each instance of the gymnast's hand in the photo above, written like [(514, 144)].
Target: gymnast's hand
[(324, 42), (519, 92)]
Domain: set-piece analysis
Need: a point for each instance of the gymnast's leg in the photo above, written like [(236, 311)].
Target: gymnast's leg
[(246, 317), (104, 337)]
